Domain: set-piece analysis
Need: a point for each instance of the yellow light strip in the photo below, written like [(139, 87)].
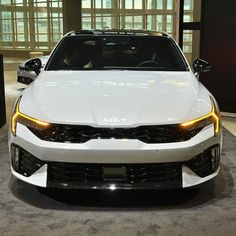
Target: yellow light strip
[(34, 120), (196, 120), (13, 126), (211, 114), (18, 113), (217, 123)]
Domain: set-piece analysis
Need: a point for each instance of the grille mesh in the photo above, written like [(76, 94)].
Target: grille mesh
[(72, 174), (146, 134), (28, 164), (205, 163)]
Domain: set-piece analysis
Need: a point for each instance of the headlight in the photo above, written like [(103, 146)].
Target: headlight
[(18, 117), (212, 118)]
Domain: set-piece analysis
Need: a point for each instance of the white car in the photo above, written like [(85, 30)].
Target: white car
[(116, 110), (25, 76)]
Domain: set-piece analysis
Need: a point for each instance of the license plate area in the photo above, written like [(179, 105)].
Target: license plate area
[(114, 174)]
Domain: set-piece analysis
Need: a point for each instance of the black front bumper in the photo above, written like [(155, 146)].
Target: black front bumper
[(136, 176), (116, 176)]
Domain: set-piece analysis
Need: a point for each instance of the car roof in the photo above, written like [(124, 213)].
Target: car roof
[(118, 32)]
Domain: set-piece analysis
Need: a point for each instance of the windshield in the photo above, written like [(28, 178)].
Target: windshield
[(117, 52)]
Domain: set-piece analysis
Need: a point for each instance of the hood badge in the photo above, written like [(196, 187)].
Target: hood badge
[(114, 120)]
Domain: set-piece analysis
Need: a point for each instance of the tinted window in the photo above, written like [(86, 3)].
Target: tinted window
[(117, 52)]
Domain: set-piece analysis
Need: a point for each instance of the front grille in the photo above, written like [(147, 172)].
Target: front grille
[(77, 175), (146, 134)]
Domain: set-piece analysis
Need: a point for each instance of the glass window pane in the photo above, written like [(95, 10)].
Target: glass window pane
[(160, 4), (46, 13), (191, 44), (107, 3), (86, 21), (20, 26), (107, 22), (192, 12), (20, 37), (6, 26), (188, 4), (18, 2), (86, 3), (6, 15), (160, 23), (169, 23), (151, 22), (170, 4), (188, 18), (5, 2), (98, 3), (47, 20), (128, 22), (117, 53), (151, 4), (138, 4), (138, 22), (40, 3), (128, 4), (98, 21)]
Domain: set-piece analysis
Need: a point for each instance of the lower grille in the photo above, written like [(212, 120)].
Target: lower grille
[(75, 175), (78, 175)]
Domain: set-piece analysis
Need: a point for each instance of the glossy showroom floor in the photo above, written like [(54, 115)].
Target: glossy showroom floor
[(24, 210)]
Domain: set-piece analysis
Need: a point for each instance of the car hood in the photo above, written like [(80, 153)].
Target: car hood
[(115, 98)]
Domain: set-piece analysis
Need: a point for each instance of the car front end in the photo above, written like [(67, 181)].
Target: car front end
[(115, 129), (126, 164)]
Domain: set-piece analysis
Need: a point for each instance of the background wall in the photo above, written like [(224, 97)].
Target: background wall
[(2, 95), (218, 47)]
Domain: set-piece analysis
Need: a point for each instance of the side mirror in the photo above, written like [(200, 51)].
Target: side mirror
[(24, 80), (200, 65), (34, 64)]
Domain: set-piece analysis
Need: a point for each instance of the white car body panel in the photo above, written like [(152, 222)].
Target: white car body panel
[(39, 178), (116, 98), (191, 179)]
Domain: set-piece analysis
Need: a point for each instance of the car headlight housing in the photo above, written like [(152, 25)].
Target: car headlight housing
[(18, 117), (211, 118)]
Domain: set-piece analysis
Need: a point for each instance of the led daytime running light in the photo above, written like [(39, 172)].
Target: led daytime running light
[(18, 114), (211, 114)]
